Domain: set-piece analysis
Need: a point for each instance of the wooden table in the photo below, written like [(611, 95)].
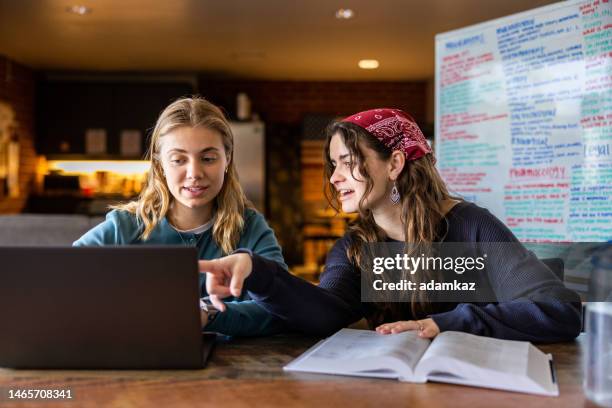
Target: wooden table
[(248, 372)]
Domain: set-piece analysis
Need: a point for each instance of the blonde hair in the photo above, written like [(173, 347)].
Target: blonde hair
[(422, 192), (155, 199)]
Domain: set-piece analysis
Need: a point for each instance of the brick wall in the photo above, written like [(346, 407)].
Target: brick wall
[(289, 101), (17, 88), (282, 105)]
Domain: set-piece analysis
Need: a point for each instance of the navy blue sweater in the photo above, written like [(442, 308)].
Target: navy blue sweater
[(532, 304)]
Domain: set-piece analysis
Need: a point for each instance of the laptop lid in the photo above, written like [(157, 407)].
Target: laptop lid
[(100, 307)]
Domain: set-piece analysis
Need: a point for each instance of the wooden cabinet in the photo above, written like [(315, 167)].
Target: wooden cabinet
[(66, 109)]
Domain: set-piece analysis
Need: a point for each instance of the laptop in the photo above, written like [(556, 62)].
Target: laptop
[(120, 307)]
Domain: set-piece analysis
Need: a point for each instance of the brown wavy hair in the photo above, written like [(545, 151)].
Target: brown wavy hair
[(155, 199), (422, 192)]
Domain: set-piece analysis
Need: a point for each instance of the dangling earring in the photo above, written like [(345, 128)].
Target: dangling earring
[(395, 195)]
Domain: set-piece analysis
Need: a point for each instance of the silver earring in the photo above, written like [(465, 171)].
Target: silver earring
[(395, 195)]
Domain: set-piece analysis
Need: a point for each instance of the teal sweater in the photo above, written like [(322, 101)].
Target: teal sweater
[(243, 316)]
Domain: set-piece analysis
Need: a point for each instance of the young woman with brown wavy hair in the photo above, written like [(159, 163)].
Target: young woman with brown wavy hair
[(379, 165), (192, 197)]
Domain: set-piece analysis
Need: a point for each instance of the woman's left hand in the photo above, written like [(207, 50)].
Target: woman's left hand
[(427, 328)]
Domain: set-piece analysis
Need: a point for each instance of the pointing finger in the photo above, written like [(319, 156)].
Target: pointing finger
[(210, 266)]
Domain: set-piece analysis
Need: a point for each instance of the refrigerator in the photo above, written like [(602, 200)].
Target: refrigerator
[(249, 159)]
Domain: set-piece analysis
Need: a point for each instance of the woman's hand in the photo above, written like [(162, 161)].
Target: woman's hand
[(427, 328), (225, 276)]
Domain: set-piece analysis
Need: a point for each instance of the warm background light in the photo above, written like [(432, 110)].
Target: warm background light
[(125, 167), (344, 14), (79, 9), (368, 64), (97, 177)]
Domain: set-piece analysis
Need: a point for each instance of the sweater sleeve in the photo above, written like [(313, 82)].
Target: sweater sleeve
[(243, 316), (246, 318), (533, 305), (317, 310)]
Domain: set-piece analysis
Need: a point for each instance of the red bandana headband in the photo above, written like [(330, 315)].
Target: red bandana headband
[(395, 129)]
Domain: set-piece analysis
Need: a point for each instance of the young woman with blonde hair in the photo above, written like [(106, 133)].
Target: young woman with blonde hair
[(192, 197), (379, 165)]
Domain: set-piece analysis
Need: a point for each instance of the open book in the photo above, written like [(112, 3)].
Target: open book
[(452, 357)]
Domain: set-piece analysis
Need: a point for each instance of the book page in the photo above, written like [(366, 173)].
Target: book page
[(468, 359), (364, 352), (500, 355)]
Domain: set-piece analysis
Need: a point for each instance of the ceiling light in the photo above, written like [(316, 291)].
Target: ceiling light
[(344, 14), (79, 9), (368, 64)]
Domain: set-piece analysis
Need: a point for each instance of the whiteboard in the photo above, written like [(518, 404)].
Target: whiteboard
[(524, 119)]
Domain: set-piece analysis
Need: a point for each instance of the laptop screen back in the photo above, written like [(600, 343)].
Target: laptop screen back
[(100, 307)]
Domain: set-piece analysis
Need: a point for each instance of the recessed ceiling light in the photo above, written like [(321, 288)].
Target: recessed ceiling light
[(345, 14), (79, 9), (368, 64)]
